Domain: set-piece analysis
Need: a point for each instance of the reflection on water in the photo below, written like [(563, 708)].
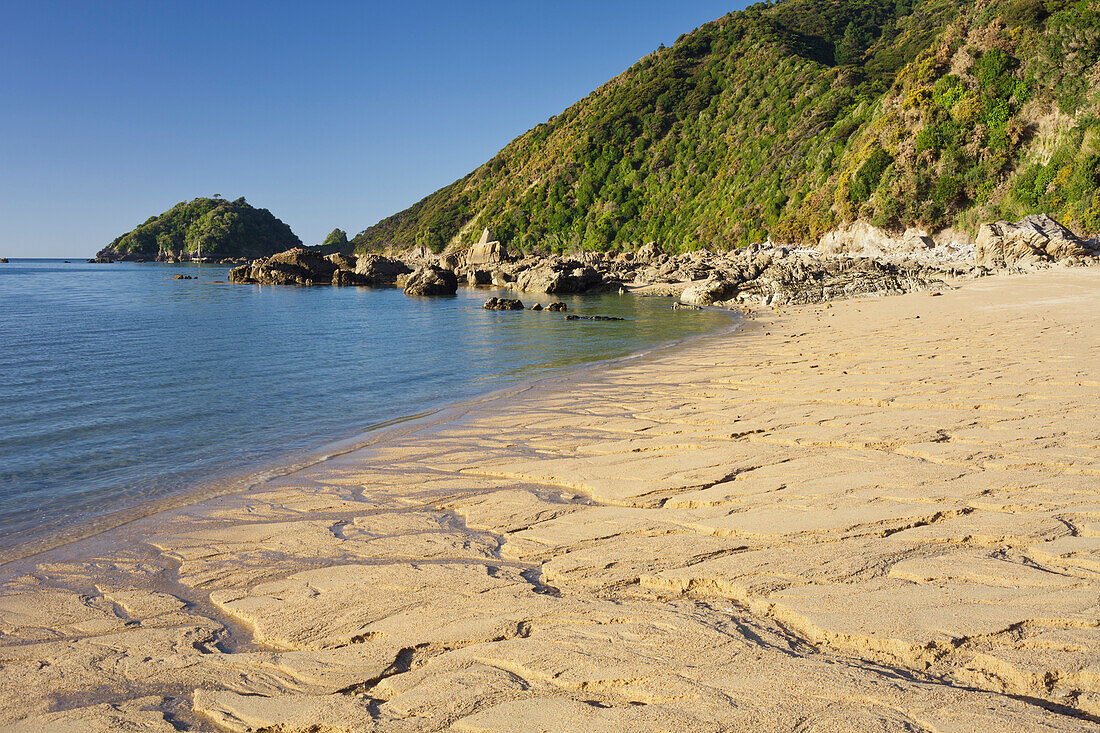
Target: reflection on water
[(121, 384)]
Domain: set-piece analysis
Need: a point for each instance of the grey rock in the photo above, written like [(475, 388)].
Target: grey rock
[(380, 271), (431, 281)]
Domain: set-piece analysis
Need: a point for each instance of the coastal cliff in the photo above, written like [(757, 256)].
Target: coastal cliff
[(203, 228)]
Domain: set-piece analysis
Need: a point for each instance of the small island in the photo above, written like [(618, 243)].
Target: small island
[(201, 230)]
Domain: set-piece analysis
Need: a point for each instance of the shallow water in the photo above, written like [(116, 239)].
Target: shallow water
[(121, 385)]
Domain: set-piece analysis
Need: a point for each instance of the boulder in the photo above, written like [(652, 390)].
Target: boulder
[(452, 261), (344, 278), (556, 307), (502, 279), (3, 260), (431, 281), (378, 270), (1034, 240), (479, 277), (503, 304), (558, 276), (708, 292), (536, 307)]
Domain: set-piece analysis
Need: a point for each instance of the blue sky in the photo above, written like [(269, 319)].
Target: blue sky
[(330, 114)]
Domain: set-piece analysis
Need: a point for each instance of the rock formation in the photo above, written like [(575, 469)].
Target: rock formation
[(857, 260), (503, 304), (431, 281), (1034, 240), (708, 292), (486, 253)]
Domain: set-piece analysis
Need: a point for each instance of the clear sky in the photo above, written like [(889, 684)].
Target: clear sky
[(330, 114)]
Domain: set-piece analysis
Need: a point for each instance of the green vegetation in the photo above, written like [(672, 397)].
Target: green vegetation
[(785, 120), (219, 227), (336, 241)]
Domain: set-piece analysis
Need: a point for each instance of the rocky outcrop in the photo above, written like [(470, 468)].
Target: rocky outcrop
[(298, 266), (864, 240), (431, 281), (558, 275), (486, 254), (380, 271), (802, 280), (859, 260), (1033, 241), (503, 304)]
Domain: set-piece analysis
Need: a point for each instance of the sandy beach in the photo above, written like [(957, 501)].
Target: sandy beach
[(876, 514)]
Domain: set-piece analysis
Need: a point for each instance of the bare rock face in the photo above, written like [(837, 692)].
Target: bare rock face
[(419, 256), (486, 253), (708, 292), (1034, 240), (431, 281), (864, 240)]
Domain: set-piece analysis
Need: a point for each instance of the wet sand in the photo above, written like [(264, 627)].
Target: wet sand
[(878, 514)]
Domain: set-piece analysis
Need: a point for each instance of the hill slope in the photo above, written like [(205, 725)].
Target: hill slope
[(221, 228), (789, 120)]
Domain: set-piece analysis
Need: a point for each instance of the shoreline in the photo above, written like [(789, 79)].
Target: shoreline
[(225, 484), (881, 504)]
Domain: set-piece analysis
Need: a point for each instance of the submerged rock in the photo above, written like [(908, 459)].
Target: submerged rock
[(503, 304), (431, 281), (575, 317)]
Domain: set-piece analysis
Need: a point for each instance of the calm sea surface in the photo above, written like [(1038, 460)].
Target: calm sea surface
[(119, 385)]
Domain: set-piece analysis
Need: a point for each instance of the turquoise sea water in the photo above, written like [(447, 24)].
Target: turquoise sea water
[(119, 385)]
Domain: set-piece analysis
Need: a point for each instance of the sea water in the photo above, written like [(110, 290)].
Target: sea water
[(120, 385)]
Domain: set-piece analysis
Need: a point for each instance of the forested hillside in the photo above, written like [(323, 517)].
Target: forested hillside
[(215, 226), (786, 120)]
